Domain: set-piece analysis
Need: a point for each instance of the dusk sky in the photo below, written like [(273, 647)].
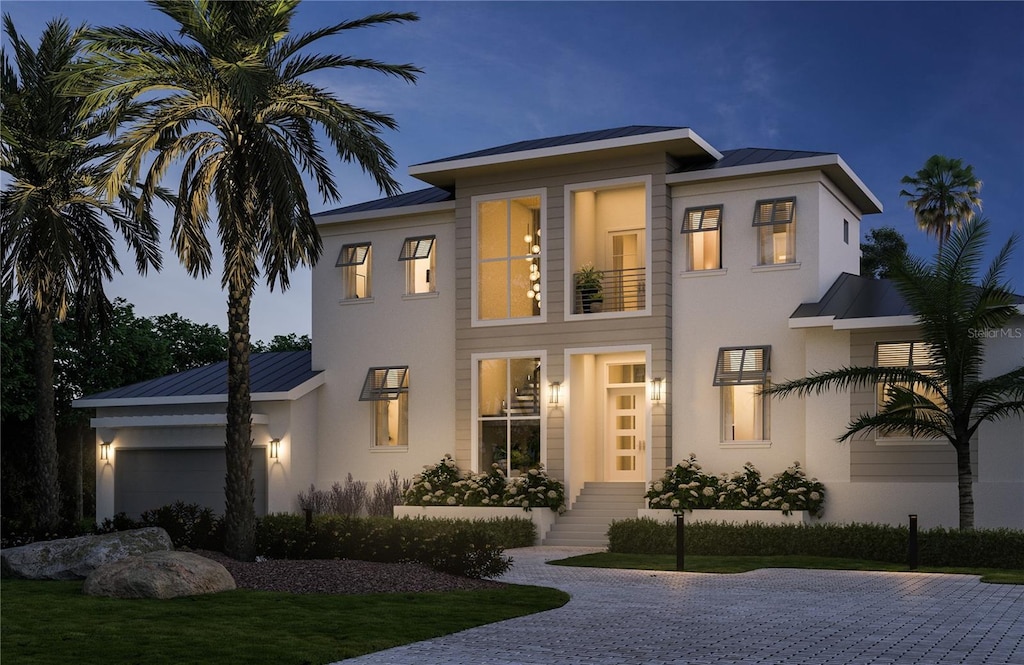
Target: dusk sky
[(885, 85)]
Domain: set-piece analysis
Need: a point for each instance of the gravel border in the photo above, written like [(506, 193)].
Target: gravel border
[(342, 576)]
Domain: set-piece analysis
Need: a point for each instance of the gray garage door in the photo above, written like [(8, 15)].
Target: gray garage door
[(147, 479)]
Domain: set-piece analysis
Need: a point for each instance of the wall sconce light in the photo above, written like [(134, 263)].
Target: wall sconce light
[(105, 451), (657, 385), (275, 448), (555, 393)]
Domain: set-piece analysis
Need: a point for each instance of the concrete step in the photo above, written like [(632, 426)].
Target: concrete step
[(582, 541)]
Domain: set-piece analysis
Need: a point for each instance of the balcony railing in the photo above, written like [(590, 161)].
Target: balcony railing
[(621, 291)]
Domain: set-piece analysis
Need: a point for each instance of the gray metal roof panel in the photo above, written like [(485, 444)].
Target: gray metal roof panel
[(856, 297), (418, 197), (556, 141), (748, 156), (274, 372)]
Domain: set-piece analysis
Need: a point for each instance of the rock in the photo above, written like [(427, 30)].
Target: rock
[(159, 575), (75, 558)]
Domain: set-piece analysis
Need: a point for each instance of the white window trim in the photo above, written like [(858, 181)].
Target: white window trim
[(774, 267), (570, 262), (474, 456), (687, 274), (474, 203)]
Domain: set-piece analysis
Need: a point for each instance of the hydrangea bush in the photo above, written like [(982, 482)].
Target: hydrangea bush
[(442, 485), (686, 486)]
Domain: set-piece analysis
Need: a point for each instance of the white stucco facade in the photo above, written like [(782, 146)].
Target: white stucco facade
[(634, 376)]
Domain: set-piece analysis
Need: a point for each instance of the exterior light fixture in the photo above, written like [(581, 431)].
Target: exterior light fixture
[(554, 393), (657, 386), (275, 448), (105, 451)]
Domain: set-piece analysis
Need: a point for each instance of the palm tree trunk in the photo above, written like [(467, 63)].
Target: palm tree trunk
[(239, 489), (964, 481), (47, 479)]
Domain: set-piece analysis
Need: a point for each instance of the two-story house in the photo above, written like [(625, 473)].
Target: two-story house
[(604, 304)]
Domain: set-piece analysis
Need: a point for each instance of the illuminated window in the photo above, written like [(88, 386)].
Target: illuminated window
[(418, 256), (388, 389), (917, 356), (355, 261), (742, 373), (702, 233), (508, 254), (508, 413), (775, 220)]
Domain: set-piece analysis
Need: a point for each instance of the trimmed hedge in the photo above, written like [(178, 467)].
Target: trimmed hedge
[(462, 547), (985, 548)]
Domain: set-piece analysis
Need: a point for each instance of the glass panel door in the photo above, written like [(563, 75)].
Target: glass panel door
[(625, 437)]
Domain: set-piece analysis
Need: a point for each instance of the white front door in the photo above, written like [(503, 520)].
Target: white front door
[(625, 439)]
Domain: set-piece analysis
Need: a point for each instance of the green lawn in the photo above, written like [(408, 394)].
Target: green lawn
[(742, 564), (53, 622)]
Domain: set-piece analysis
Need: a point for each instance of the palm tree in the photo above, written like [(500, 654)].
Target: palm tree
[(57, 248), (944, 196), (954, 310), (228, 101)]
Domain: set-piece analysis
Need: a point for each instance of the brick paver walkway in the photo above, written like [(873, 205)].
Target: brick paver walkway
[(765, 617)]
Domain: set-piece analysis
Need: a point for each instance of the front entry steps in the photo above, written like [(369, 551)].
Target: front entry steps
[(586, 524)]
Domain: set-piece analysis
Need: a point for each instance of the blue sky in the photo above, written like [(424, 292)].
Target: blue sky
[(885, 85)]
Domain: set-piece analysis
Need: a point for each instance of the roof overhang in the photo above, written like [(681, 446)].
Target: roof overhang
[(683, 142), (184, 420), (389, 213), (864, 323), (295, 393), (831, 165)]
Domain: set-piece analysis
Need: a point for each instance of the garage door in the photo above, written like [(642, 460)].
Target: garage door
[(148, 479)]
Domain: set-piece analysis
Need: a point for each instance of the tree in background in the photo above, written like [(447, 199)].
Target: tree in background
[(884, 249), (954, 306), (57, 248), (289, 342), (230, 100), (943, 195)]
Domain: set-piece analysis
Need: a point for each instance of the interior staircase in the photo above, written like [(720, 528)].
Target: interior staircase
[(586, 524)]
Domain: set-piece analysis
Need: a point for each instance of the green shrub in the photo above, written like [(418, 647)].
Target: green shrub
[(189, 525), (686, 486), (987, 548), (461, 547)]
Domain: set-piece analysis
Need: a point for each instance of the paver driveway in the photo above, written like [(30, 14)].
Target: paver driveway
[(806, 617)]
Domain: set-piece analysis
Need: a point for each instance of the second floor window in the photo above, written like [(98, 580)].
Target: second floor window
[(355, 262), (418, 256), (775, 221), (508, 255), (702, 233)]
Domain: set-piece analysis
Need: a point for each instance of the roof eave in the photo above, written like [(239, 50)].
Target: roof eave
[(370, 215), (831, 165), (292, 395), (679, 142)]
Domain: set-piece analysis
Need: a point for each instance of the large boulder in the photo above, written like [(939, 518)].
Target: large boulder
[(75, 558), (159, 575)]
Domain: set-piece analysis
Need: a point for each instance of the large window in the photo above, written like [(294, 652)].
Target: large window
[(702, 233), (355, 262), (742, 373), (775, 221), (607, 246), (917, 356), (418, 256), (508, 403), (388, 389), (508, 253)]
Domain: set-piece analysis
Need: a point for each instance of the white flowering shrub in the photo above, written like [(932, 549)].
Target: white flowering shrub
[(686, 486), (535, 489), (442, 485), (435, 486)]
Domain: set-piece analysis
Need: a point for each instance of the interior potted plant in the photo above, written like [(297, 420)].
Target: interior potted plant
[(589, 288)]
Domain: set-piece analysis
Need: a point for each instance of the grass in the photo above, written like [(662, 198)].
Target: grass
[(53, 622), (742, 564)]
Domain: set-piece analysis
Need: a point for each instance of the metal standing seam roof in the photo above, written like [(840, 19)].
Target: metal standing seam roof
[(748, 156), (856, 297), (418, 197), (556, 141), (275, 372)]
